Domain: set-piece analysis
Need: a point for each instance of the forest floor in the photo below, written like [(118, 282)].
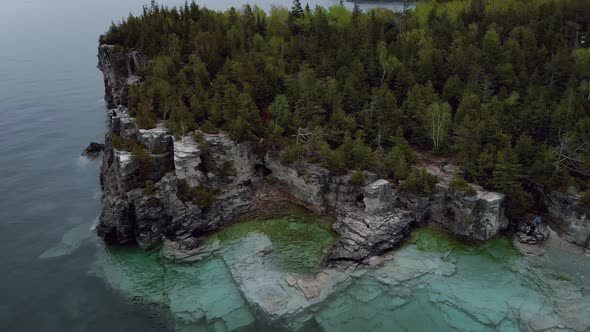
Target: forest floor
[(442, 167)]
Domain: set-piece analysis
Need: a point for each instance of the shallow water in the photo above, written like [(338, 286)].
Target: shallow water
[(203, 294), (434, 282)]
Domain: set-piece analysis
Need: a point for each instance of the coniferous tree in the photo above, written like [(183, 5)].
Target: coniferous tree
[(296, 9), (466, 80)]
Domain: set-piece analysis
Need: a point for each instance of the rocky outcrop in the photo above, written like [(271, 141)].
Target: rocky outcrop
[(531, 232), (187, 158), (374, 225), (476, 217), (93, 150), (369, 219), (119, 70), (564, 215)]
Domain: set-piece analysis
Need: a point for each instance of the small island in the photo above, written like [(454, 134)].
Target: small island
[(467, 117)]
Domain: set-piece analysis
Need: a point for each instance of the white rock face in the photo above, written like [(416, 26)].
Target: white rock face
[(314, 186), (125, 164), (378, 196), (187, 158), (231, 157)]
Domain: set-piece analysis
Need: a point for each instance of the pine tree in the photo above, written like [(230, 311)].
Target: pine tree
[(506, 178), (280, 112), (297, 10)]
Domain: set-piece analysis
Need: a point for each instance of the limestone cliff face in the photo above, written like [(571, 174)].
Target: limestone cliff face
[(369, 219), (563, 214), (476, 217)]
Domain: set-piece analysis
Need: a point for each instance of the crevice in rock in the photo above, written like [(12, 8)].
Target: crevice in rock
[(263, 169)]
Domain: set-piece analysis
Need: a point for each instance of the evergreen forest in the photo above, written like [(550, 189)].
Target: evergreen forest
[(499, 88)]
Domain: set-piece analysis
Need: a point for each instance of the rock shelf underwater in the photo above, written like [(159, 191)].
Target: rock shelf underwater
[(433, 282)]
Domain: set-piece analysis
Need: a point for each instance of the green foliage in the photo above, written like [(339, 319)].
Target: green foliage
[(506, 180), (419, 182), (150, 188), (183, 191), (199, 196), (585, 199), (145, 117), (460, 184), (438, 119), (227, 169), (358, 178), (209, 128), (145, 164), (279, 109), (202, 197), (120, 143), (292, 153), (501, 86)]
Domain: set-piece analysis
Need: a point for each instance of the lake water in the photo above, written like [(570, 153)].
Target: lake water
[(53, 267)]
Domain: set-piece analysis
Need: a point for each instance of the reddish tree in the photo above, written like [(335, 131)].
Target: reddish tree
[(265, 115)]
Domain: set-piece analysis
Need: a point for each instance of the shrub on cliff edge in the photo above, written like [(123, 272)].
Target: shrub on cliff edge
[(419, 182), (199, 196), (145, 164), (358, 178), (460, 184)]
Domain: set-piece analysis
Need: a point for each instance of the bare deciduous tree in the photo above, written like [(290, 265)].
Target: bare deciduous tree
[(569, 154)]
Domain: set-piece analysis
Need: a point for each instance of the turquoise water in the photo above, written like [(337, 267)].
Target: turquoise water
[(204, 294), (432, 283)]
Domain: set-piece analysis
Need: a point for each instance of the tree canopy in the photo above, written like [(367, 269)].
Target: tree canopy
[(501, 87)]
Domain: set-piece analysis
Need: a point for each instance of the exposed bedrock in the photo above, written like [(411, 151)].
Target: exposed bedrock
[(476, 217), (93, 150), (563, 214)]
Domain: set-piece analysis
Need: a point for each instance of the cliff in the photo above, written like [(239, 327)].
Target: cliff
[(562, 212), (369, 219)]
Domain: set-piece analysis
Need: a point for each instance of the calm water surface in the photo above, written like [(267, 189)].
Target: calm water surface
[(51, 106)]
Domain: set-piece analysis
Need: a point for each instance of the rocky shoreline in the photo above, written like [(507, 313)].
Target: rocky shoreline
[(369, 220)]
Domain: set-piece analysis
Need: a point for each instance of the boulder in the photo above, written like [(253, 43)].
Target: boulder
[(93, 150), (530, 232), (363, 234)]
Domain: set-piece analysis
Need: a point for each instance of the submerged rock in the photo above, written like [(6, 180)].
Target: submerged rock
[(433, 283)]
